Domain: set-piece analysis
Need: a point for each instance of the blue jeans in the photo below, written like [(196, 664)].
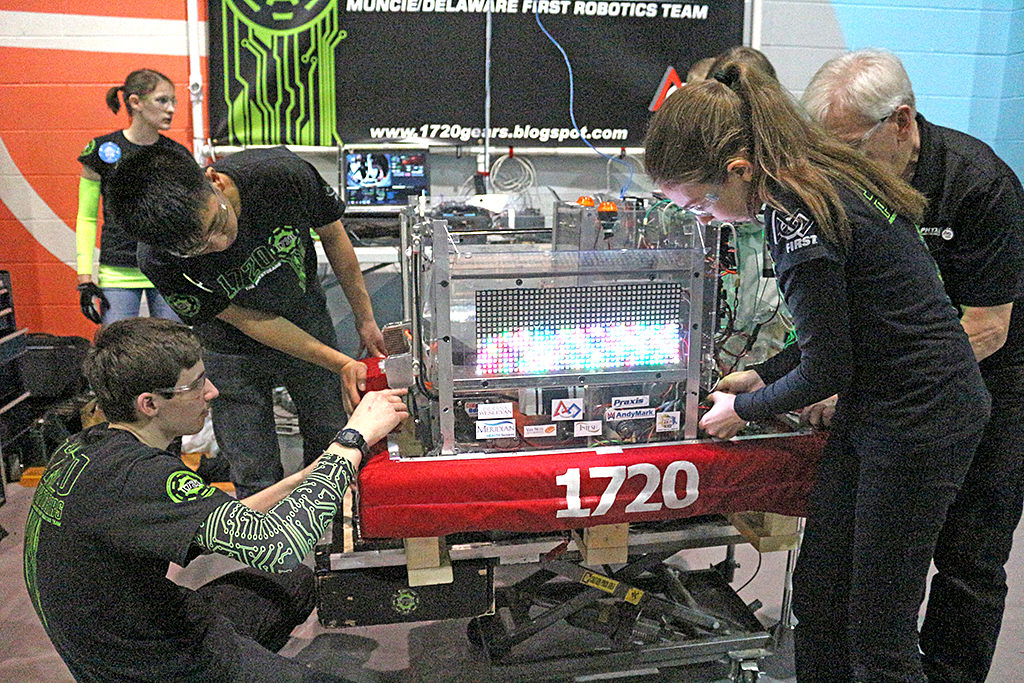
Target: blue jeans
[(968, 594), (875, 513), (125, 303), (243, 413)]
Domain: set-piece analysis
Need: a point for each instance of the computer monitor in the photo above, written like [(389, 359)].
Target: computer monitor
[(381, 181)]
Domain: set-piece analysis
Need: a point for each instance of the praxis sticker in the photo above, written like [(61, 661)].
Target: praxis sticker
[(630, 401), (110, 152)]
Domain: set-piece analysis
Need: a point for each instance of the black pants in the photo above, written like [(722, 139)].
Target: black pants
[(965, 604), (874, 517), (248, 615)]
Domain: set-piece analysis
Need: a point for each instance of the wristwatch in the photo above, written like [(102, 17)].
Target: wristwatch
[(351, 438)]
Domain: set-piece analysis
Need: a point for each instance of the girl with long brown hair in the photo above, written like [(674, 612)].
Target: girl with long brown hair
[(873, 325)]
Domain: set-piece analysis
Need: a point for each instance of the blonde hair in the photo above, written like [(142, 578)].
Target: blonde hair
[(743, 113)]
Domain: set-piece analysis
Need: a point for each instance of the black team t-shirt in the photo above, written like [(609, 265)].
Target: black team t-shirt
[(872, 319), (272, 264), (107, 518), (102, 154), (974, 227)]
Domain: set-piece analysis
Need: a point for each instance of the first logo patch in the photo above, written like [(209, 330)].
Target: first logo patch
[(110, 152)]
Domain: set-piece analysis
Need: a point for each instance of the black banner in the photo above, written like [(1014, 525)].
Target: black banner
[(327, 71)]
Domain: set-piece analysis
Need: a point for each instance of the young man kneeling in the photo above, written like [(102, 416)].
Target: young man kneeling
[(114, 508)]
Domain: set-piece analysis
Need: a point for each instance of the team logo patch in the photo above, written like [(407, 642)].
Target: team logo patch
[(89, 147), (185, 305), (110, 152), (284, 239), (185, 486), (794, 230), (405, 601)]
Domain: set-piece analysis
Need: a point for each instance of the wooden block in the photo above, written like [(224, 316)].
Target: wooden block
[(427, 561), (31, 476), (768, 531), (605, 544)]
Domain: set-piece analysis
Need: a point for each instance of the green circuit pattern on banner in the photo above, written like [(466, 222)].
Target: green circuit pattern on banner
[(279, 82)]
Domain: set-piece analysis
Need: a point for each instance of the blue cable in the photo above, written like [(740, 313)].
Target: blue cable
[(572, 113)]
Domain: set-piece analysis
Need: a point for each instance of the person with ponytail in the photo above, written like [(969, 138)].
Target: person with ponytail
[(873, 325), (148, 97)]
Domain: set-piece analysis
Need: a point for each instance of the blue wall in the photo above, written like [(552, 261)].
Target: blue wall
[(965, 59)]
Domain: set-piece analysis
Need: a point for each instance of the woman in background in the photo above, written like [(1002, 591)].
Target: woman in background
[(148, 97), (873, 324)]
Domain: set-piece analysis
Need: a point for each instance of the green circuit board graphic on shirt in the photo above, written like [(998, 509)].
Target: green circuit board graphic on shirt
[(281, 88)]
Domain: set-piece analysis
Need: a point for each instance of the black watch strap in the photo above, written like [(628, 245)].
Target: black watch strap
[(351, 438)]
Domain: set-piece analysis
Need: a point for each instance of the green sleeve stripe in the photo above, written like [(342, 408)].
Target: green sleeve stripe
[(85, 223)]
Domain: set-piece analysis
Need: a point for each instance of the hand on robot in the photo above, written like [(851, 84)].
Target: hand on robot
[(371, 339), (721, 420), (742, 382), (353, 380), (820, 414), (378, 413), (92, 300)]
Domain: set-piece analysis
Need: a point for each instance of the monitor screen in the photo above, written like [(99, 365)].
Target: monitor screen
[(383, 180)]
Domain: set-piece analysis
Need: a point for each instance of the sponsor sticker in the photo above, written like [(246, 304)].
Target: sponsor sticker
[(630, 401), (612, 415), (567, 409), (495, 429), (588, 428), (538, 431), (493, 411), (667, 421)]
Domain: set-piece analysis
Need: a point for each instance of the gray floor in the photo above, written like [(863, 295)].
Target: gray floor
[(426, 651)]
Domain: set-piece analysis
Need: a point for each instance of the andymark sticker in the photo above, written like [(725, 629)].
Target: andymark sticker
[(612, 415)]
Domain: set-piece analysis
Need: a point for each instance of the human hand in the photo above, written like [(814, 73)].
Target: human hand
[(371, 339), (742, 382), (353, 380), (378, 413), (721, 420), (92, 301), (820, 414)]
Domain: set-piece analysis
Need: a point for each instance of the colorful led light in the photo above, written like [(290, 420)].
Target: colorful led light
[(588, 348)]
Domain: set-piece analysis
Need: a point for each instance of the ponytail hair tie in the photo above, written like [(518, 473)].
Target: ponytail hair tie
[(728, 76)]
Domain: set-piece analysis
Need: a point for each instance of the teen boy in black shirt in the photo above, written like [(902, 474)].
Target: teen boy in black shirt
[(974, 228), (114, 508), (231, 252)]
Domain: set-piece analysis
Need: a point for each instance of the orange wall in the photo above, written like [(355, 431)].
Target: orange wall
[(51, 104)]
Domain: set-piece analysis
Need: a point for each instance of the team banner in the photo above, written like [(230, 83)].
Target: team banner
[(323, 72)]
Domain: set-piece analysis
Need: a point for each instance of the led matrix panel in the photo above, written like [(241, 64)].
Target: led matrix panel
[(533, 331)]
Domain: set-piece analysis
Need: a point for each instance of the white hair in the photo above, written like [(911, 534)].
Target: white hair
[(871, 82)]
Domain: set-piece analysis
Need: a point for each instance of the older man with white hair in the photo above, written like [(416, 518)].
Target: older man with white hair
[(974, 228)]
